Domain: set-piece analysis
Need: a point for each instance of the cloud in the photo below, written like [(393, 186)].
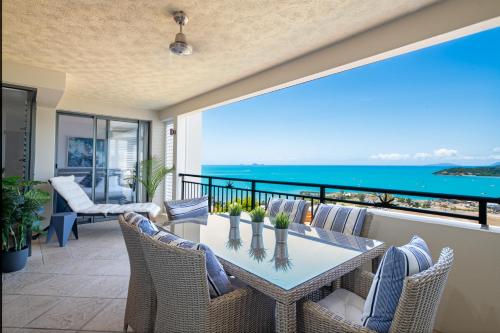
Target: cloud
[(422, 155), (390, 156), (496, 150), (444, 152), (495, 157)]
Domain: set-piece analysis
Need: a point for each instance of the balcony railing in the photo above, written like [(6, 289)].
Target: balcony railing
[(248, 193)]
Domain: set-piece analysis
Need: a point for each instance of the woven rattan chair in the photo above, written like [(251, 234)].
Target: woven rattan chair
[(416, 310), (184, 305), (140, 311)]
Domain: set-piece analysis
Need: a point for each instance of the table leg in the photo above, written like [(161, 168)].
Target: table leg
[(286, 317)]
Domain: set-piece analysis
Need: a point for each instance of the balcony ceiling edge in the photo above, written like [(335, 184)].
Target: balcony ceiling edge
[(431, 25)]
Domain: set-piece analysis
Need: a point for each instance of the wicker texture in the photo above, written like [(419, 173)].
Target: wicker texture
[(416, 310), (184, 305), (140, 311)]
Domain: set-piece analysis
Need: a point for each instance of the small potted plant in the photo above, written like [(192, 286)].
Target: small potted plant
[(257, 216), (234, 214), (281, 222), (21, 206)]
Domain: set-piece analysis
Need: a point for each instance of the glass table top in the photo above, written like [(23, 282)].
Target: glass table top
[(307, 253)]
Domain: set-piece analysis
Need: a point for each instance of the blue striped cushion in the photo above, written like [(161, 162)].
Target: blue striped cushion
[(396, 265), (294, 208), (182, 209), (347, 220), (142, 223), (218, 281)]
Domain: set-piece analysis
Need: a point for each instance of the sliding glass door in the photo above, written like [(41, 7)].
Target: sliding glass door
[(103, 154)]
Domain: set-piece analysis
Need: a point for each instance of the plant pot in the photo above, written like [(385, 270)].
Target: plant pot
[(13, 261), (234, 221), (281, 235), (257, 228)]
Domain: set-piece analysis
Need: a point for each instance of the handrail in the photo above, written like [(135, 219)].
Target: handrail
[(322, 197)]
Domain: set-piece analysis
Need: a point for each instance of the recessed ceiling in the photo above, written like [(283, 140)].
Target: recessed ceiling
[(117, 50)]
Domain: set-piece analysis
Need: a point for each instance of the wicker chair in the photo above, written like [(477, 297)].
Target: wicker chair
[(184, 305), (140, 311), (416, 310)]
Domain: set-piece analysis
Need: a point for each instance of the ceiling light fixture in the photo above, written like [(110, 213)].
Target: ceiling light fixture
[(180, 45)]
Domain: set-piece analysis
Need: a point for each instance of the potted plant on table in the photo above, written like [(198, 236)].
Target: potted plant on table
[(234, 214), (21, 204), (281, 222), (257, 216)]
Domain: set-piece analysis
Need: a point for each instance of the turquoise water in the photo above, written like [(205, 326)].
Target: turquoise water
[(412, 178)]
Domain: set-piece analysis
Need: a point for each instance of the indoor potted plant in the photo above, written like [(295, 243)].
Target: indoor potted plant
[(257, 216), (281, 222), (21, 205), (234, 214)]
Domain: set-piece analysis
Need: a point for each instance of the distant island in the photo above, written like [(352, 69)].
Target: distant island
[(486, 171)]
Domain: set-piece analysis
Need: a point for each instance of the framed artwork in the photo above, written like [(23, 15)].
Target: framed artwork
[(80, 152)]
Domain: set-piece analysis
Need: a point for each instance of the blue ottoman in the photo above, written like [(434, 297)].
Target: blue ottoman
[(62, 224)]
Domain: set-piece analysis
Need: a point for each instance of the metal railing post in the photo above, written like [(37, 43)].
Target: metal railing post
[(253, 195), (209, 194), (182, 187), (322, 195), (483, 213)]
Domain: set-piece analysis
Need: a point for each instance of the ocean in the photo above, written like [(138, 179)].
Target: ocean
[(413, 178)]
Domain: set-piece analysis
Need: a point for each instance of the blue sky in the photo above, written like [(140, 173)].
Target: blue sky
[(436, 105)]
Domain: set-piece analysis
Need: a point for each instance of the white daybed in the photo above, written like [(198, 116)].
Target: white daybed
[(80, 203)]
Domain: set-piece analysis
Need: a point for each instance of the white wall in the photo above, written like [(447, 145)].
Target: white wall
[(471, 300), (188, 146)]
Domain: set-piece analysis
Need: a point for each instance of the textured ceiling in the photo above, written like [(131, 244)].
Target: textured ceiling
[(117, 50)]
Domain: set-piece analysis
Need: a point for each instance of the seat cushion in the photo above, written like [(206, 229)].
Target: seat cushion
[(345, 304), (218, 281), (385, 291), (347, 220), (142, 223), (74, 195), (182, 209), (293, 208), (140, 207)]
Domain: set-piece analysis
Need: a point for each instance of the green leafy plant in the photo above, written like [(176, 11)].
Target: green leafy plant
[(235, 209), (258, 214), (151, 173), (21, 206), (281, 221)]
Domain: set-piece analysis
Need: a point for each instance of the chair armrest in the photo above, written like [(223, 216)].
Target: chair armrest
[(359, 282), (315, 318)]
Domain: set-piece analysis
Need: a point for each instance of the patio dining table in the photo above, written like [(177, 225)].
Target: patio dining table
[(311, 258)]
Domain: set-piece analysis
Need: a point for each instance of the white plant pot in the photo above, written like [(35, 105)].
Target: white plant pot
[(257, 228), (234, 233), (281, 235), (234, 221)]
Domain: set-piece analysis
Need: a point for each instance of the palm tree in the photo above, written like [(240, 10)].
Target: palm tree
[(151, 173)]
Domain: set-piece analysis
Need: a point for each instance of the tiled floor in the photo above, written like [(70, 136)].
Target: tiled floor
[(78, 288)]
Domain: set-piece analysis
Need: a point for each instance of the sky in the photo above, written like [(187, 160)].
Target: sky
[(436, 105)]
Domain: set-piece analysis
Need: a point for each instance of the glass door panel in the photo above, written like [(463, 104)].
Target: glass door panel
[(75, 151), (122, 161)]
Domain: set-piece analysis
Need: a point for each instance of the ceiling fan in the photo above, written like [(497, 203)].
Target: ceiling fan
[(180, 46)]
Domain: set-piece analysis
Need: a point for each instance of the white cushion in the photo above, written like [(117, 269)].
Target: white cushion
[(74, 195), (345, 304), (79, 201)]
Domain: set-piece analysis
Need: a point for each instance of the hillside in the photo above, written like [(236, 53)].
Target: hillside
[(490, 171)]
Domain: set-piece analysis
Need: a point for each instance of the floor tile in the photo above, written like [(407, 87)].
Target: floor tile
[(25, 308), (70, 314), (103, 286), (109, 319), (59, 285), (22, 280)]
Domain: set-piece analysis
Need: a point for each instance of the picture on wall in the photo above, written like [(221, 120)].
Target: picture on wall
[(80, 152)]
